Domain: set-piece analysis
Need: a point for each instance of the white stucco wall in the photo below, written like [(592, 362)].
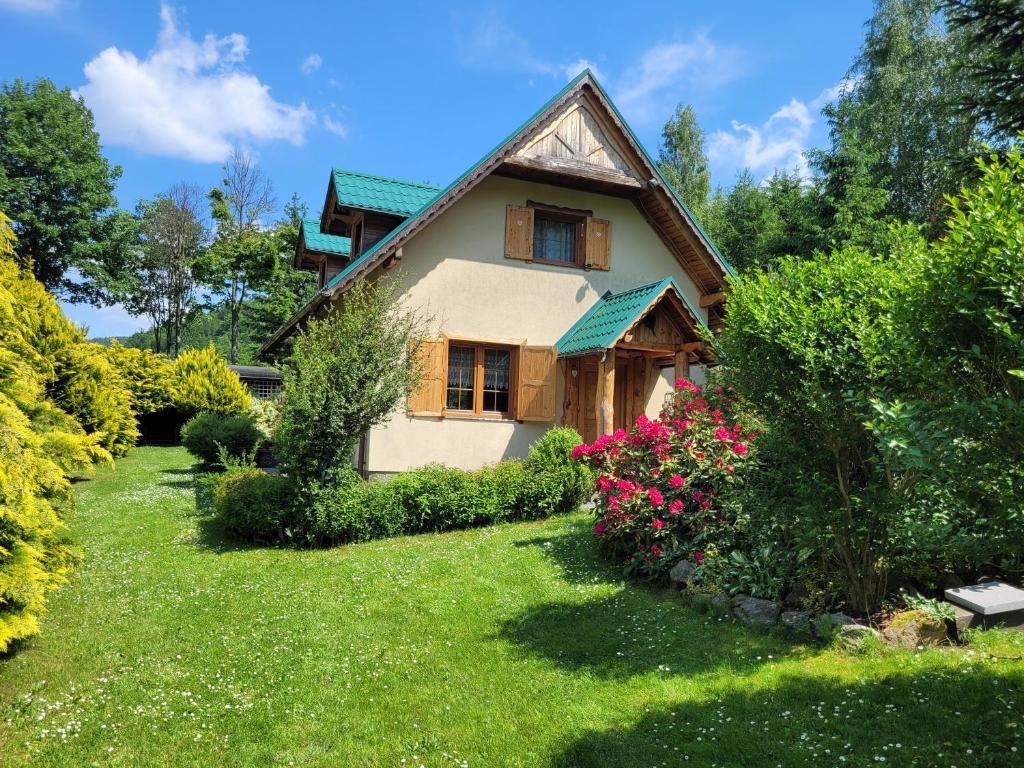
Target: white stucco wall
[(456, 271)]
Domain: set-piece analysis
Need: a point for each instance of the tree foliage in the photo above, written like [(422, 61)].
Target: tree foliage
[(993, 32), (58, 189), (895, 125), (348, 372), (682, 159)]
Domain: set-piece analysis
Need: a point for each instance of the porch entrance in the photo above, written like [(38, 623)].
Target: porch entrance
[(613, 356)]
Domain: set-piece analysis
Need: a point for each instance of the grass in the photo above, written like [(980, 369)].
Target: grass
[(504, 646)]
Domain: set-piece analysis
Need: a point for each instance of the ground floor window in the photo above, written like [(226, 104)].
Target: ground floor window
[(479, 379)]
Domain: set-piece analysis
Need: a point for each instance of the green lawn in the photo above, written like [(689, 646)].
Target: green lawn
[(504, 646)]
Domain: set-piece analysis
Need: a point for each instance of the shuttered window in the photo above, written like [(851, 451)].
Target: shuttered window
[(427, 398), (551, 235), (479, 379)]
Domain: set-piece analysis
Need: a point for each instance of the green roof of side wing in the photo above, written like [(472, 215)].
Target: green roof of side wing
[(612, 315), (323, 243), (379, 193)]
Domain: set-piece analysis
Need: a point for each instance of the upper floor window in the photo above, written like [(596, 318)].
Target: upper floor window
[(557, 236), (548, 234)]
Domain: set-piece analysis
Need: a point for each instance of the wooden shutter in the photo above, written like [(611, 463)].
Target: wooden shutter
[(535, 398), (428, 397), (518, 232), (599, 244)]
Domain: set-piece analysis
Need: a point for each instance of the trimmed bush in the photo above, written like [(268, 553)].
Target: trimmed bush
[(205, 433), (252, 505), (203, 382), (434, 498)]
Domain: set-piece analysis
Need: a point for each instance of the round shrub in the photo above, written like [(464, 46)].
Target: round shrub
[(555, 481), (205, 433), (251, 505), (203, 382)]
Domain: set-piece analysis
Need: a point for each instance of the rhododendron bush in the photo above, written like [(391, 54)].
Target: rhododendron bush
[(661, 487)]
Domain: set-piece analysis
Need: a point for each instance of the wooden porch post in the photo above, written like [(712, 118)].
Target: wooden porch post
[(682, 365), (606, 394)]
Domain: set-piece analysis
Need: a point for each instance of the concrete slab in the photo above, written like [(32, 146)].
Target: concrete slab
[(988, 599)]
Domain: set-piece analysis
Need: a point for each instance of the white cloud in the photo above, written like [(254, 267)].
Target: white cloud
[(490, 43), (187, 98), (780, 143), (311, 63), (30, 6), (336, 127), (663, 69), (571, 70)]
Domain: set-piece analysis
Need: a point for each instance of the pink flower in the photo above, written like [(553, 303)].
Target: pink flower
[(599, 528), (739, 448), (624, 485), (723, 434), (578, 451), (655, 497), (657, 524), (675, 507), (655, 550), (676, 481), (614, 503), (604, 483), (698, 557), (705, 505)]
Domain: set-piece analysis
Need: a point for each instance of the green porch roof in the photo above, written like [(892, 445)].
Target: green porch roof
[(612, 315), (379, 193), (323, 243)]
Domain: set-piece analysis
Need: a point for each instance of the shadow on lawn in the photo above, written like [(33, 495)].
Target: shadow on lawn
[(188, 475), (945, 717), (635, 631)]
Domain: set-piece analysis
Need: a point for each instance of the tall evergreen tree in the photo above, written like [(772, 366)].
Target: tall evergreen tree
[(682, 159), (994, 32)]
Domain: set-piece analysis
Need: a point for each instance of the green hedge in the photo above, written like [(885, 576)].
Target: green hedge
[(431, 498)]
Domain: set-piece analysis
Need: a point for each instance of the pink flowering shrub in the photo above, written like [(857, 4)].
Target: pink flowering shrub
[(662, 486)]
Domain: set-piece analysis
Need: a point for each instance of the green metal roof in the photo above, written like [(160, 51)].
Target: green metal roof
[(323, 243), (379, 193), (612, 315)]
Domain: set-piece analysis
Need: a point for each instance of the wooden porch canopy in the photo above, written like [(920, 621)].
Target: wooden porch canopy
[(649, 326)]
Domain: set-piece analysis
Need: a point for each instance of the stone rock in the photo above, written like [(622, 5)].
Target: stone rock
[(915, 629), (962, 621), (716, 603), (799, 621), (754, 610), (795, 597), (841, 619), (853, 636), (682, 572)]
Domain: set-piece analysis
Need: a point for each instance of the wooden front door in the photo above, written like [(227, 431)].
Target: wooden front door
[(630, 399)]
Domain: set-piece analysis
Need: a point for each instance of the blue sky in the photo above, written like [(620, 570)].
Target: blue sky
[(418, 91)]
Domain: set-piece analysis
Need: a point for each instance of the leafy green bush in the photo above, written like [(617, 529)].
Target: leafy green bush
[(203, 382), (437, 498), (252, 505), (206, 433), (347, 374)]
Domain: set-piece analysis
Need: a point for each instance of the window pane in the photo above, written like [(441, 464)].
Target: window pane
[(554, 240), (496, 372), (461, 369)]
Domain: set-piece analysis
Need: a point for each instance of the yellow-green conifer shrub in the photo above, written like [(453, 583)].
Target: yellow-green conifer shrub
[(34, 494), (148, 375), (203, 382)]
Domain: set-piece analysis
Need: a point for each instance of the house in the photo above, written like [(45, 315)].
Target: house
[(569, 283)]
